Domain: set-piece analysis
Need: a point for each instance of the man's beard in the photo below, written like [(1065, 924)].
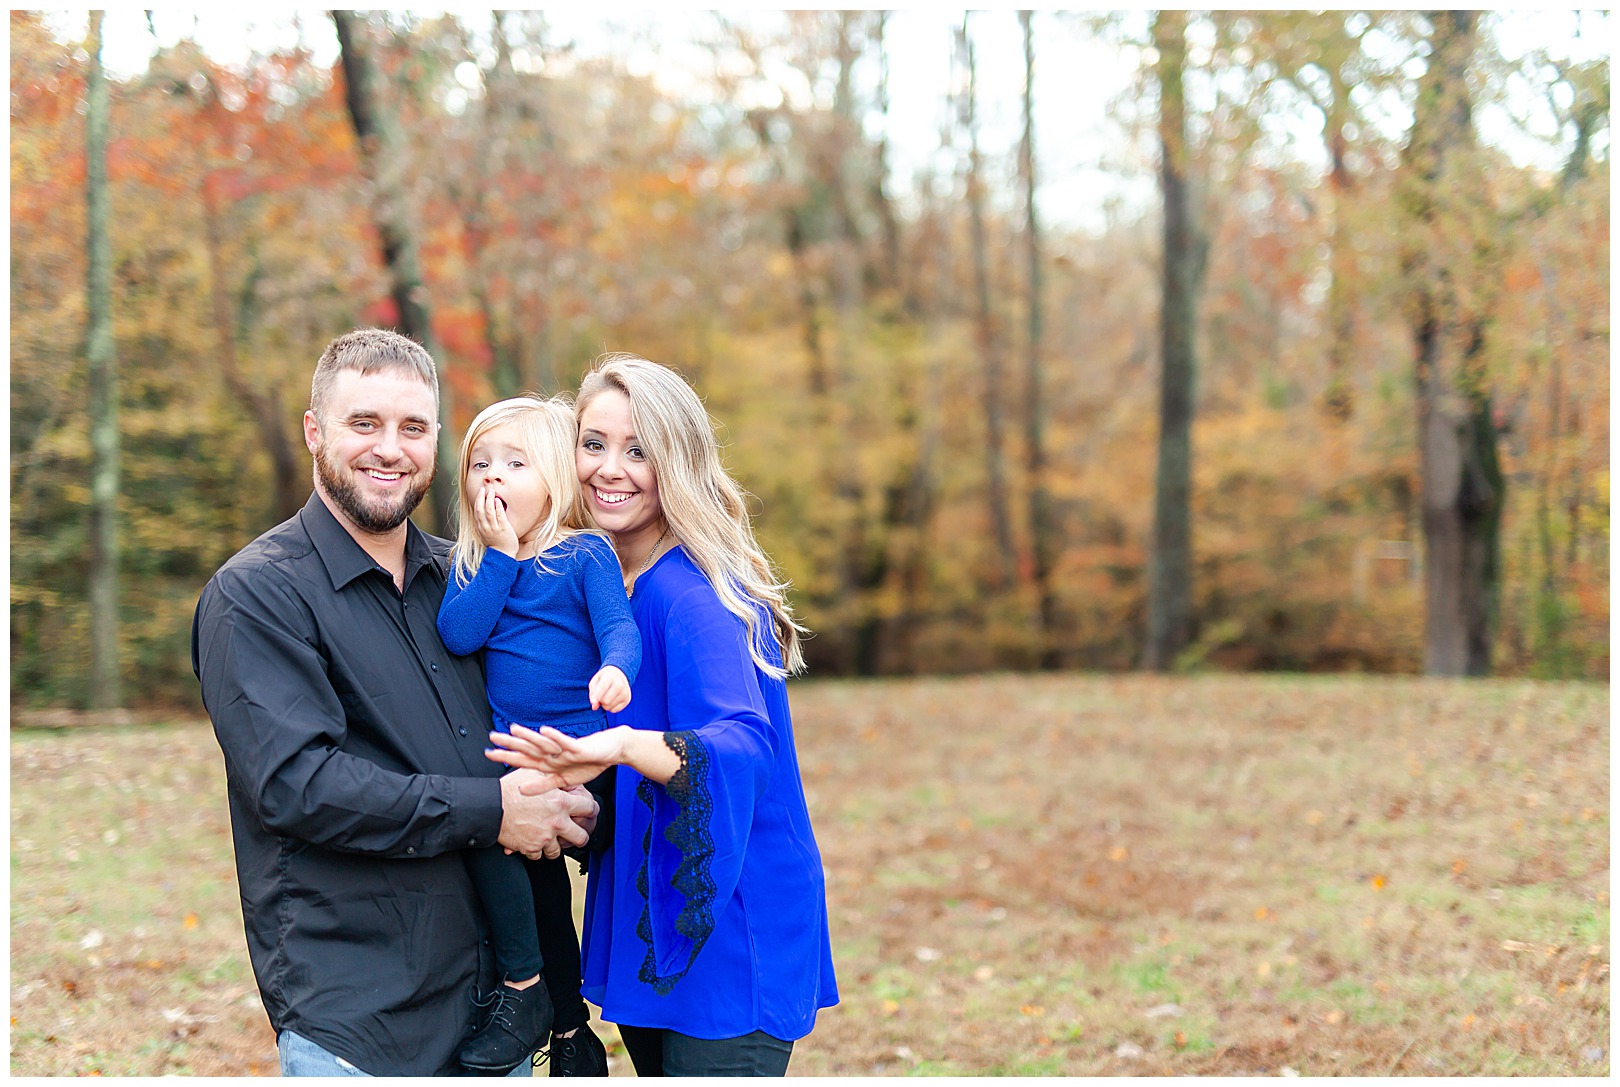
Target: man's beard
[(380, 516)]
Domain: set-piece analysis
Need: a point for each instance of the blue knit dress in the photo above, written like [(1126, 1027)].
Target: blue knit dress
[(544, 633)]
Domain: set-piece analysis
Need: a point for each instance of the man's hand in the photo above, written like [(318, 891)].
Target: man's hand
[(609, 689), (540, 826)]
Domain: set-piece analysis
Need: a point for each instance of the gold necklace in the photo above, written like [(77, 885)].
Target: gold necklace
[(630, 589)]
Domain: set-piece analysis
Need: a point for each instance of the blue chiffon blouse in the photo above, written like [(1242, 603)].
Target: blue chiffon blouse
[(708, 912)]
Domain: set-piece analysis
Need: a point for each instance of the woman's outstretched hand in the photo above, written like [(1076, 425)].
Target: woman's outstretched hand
[(562, 760), (565, 760)]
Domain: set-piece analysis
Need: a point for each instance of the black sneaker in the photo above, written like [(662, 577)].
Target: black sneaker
[(581, 1054), (518, 1020)]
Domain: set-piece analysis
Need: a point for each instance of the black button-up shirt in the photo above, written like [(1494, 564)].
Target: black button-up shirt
[(354, 764)]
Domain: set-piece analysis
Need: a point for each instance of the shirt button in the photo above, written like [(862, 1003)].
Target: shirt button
[(472, 841), (435, 667), (410, 849), (464, 732)]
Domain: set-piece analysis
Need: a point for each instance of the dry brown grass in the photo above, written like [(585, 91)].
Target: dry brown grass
[(1027, 876)]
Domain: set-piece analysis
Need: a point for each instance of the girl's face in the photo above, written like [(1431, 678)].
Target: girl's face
[(620, 485), (498, 463)]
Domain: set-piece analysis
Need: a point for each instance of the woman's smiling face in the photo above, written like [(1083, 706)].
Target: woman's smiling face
[(620, 485)]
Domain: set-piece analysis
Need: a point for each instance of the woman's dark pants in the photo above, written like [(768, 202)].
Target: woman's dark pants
[(657, 1052)]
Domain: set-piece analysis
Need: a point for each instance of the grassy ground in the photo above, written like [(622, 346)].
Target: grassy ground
[(1027, 876)]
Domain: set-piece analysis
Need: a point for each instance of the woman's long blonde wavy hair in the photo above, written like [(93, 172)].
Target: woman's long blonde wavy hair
[(702, 504), (545, 431)]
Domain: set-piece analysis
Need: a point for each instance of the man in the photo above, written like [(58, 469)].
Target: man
[(354, 742)]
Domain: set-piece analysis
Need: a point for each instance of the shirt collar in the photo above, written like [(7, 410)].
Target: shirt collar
[(344, 558)]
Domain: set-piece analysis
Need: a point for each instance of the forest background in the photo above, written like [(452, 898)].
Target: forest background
[(948, 396)]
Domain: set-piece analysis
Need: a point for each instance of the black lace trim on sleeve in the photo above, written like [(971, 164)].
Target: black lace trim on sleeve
[(689, 833)]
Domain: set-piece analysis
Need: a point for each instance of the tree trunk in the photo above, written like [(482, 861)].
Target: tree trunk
[(468, 190), (105, 676), (1339, 403), (894, 271), (289, 474), (1170, 559), (1461, 480), (1006, 556), (815, 349), (382, 161), (1042, 544), (863, 561), (1562, 412), (922, 500), (914, 569)]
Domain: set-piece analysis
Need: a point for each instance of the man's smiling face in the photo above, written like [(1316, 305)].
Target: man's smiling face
[(373, 446)]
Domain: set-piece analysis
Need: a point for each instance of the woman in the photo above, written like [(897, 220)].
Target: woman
[(706, 918)]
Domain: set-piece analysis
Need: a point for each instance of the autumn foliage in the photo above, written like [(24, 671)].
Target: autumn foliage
[(567, 206)]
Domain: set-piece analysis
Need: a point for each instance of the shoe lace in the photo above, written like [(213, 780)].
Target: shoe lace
[(503, 1006), (566, 1050)]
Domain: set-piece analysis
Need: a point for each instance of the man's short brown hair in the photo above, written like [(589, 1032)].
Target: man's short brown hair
[(368, 351)]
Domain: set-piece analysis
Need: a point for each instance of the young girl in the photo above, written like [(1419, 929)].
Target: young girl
[(544, 599)]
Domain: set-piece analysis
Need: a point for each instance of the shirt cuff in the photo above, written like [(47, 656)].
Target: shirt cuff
[(475, 819)]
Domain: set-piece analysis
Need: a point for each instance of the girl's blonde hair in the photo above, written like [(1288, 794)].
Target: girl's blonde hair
[(702, 504), (545, 431)]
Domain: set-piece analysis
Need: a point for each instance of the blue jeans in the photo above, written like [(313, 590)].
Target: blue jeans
[(302, 1057)]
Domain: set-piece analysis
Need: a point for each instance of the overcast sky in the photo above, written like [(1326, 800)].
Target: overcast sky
[(1079, 143)]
